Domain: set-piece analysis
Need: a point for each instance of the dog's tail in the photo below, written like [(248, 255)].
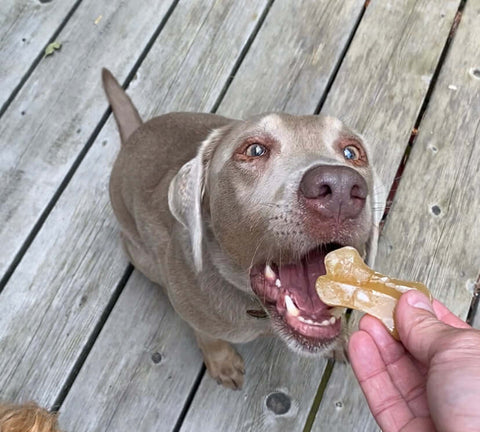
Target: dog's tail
[(126, 115)]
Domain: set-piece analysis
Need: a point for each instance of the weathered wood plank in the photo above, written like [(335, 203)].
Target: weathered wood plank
[(54, 299), (58, 108), (381, 84), (25, 28), (276, 396), (417, 244), (292, 59), (140, 370), (343, 406), (432, 232), (289, 43)]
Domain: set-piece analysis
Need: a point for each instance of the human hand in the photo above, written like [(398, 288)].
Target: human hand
[(432, 381)]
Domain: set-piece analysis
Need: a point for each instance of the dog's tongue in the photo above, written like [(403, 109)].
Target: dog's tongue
[(299, 280)]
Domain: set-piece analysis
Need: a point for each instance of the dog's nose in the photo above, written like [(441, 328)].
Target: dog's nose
[(334, 191)]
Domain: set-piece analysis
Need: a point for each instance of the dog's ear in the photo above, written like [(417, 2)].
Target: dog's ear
[(186, 192), (379, 199)]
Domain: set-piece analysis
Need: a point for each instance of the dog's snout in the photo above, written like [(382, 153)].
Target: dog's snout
[(334, 191)]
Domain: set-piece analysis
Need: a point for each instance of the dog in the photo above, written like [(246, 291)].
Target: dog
[(234, 217)]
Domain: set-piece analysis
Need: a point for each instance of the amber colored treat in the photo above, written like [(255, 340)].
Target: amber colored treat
[(350, 283)]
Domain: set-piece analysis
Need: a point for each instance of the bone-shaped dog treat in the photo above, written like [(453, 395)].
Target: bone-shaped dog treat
[(350, 283)]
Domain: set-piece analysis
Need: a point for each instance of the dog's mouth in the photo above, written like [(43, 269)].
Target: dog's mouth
[(288, 293)]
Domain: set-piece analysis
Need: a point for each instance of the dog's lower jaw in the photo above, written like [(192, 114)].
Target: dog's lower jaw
[(335, 348)]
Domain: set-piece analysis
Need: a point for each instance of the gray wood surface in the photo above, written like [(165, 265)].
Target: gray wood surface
[(293, 58), (140, 370), (386, 72), (271, 369), (443, 170), (61, 287), (58, 108), (416, 244), (285, 44), (25, 29)]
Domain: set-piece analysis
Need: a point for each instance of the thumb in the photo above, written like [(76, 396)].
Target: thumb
[(418, 327)]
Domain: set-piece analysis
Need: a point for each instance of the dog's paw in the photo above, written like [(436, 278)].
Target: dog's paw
[(228, 370), (223, 362)]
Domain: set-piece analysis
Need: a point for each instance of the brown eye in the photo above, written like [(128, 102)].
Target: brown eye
[(255, 150), (351, 152)]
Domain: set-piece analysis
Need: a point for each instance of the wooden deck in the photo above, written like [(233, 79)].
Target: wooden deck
[(83, 333)]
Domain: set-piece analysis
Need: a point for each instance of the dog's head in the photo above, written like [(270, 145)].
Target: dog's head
[(276, 193)]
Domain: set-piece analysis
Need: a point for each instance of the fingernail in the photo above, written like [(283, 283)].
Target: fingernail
[(419, 301)]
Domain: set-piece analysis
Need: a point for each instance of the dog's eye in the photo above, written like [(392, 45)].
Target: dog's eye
[(351, 152), (255, 150)]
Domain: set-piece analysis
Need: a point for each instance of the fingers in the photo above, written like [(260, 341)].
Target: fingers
[(443, 314), (403, 370), (419, 328), (386, 403)]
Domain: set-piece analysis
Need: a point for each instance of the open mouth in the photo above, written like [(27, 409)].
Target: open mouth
[(288, 292)]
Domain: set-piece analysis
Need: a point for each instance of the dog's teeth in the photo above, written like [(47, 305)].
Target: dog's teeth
[(337, 312), (332, 320), (291, 308), (269, 273), (278, 283), (325, 323), (306, 320)]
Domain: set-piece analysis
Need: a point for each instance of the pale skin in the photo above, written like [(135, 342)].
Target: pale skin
[(428, 382)]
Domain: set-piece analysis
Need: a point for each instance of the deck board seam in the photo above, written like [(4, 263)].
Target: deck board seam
[(189, 400), (77, 366), (423, 108), (342, 56), (474, 305), (242, 56), (38, 59), (81, 155)]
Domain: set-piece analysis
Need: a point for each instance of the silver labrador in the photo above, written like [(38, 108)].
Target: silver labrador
[(234, 217)]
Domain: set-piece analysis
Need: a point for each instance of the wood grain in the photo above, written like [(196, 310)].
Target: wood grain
[(54, 299), (432, 231), (271, 369), (140, 371), (385, 75), (293, 58), (25, 29), (58, 108)]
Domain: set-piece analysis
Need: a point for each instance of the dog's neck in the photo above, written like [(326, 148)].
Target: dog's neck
[(225, 266)]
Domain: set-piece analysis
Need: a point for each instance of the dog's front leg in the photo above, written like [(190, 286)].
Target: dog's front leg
[(222, 361)]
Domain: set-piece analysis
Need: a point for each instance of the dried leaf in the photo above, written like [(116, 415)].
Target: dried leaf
[(51, 48)]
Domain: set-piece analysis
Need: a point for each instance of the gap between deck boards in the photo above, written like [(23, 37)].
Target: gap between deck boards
[(71, 172), (37, 60)]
